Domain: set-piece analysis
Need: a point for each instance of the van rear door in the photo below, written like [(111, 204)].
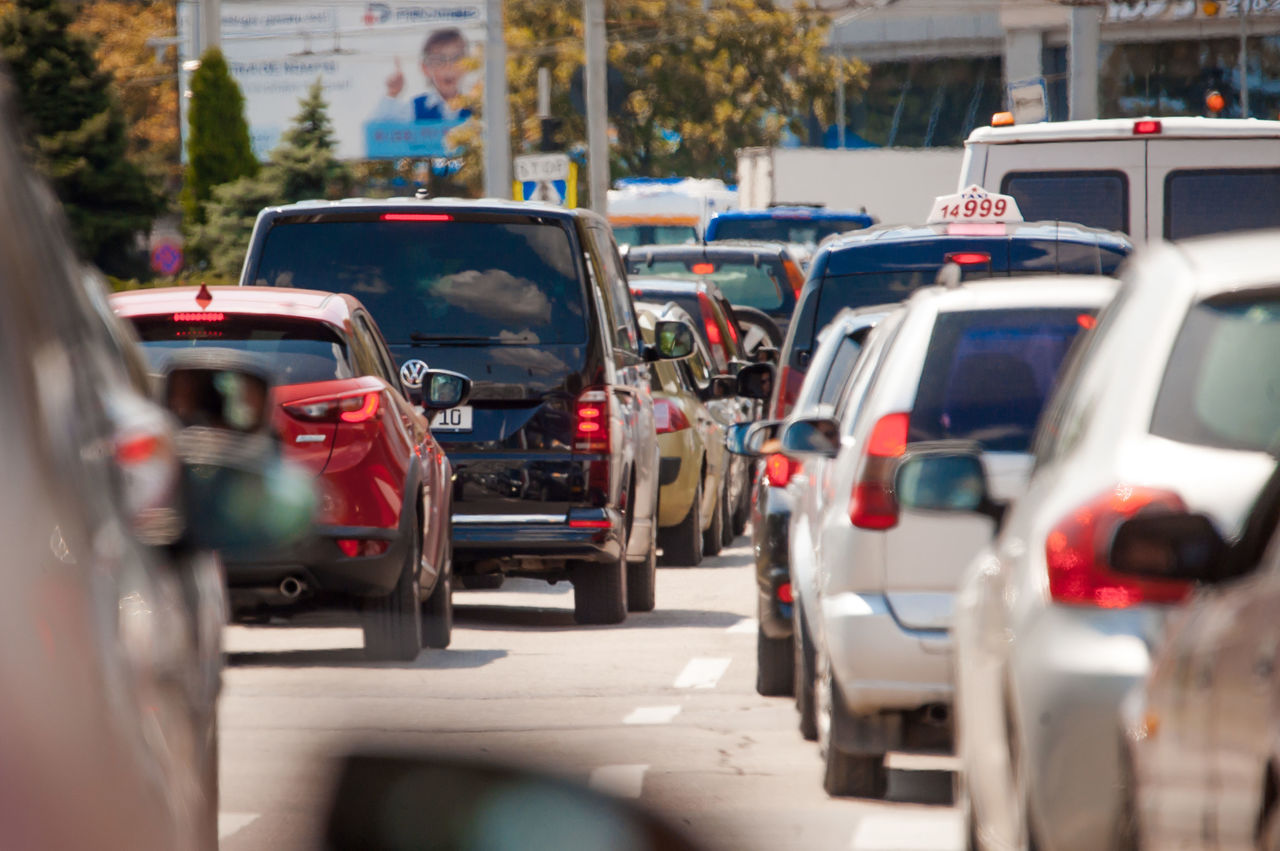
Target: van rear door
[(1195, 188), (1095, 183)]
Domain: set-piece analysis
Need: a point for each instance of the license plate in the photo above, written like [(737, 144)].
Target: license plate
[(454, 419)]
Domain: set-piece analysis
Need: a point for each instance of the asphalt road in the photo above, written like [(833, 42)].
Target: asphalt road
[(663, 707)]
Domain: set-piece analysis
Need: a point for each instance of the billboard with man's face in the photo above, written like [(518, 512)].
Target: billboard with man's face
[(398, 76)]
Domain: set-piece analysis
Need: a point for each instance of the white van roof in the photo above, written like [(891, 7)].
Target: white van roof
[(1123, 128)]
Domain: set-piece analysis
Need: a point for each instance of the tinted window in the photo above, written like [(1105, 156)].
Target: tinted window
[(803, 231), (988, 372), (509, 282), (1097, 199), (1220, 387), (742, 282), (294, 352), (841, 291), (654, 234), (841, 368), (1202, 202)]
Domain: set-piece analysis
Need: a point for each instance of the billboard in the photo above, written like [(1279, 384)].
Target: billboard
[(398, 76)]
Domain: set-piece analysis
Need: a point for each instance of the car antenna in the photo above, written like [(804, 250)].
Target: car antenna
[(422, 193)]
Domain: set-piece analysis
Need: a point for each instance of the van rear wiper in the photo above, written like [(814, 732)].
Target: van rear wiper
[(452, 338)]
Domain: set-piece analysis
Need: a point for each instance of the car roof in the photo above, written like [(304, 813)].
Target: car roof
[(1023, 291), (1123, 128), (1061, 231), (729, 249), (469, 205), (793, 212), (1223, 263), (332, 308)]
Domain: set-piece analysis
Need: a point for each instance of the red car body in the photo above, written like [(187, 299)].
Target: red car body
[(383, 483)]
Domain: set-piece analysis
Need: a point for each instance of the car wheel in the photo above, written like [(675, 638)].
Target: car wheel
[(773, 665), (802, 647), (742, 511), (437, 611), (600, 592), (482, 581), (713, 537), (682, 544), (393, 623), (726, 524), (642, 579), (843, 774)]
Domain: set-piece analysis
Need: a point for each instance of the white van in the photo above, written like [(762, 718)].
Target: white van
[(1152, 178)]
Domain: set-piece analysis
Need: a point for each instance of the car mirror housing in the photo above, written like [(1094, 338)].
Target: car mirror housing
[(816, 436), (755, 381), (675, 338), (945, 476), (722, 387), (443, 389), (218, 390), (1168, 545), (748, 439)]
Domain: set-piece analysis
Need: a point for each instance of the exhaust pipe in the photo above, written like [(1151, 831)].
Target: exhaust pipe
[(291, 587)]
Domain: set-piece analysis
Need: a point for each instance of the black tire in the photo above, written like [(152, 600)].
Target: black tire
[(482, 581), (726, 523), (600, 592), (393, 623), (843, 774), (437, 611), (774, 674), (642, 580), (682, 544), (713, 537), (742, 511), (803, 665)]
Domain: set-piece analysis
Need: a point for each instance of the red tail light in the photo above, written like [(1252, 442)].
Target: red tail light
[(367, 410), (969, 258), (591, 432), (872, 504), (354, 408), (667, 417), (199, 317), (1075, 553), (1147, 128), (589, 524), (713, 329), (784, 594), (417, 217), (703, 268), (779, 470), (789, 384), (352, 547)]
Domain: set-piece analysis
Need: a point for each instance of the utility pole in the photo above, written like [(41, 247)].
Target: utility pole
[(596, 80), (1082, 62), (497, 136), (210, 26)]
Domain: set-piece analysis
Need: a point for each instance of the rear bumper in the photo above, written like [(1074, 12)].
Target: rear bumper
[(323, 567), (770, 525), (478, 537)]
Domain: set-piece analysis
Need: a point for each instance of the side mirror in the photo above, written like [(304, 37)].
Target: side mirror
[(722, 387), (222, 396), (945, 477), (818, 437), (675, 338), (766, 354), (1172, 545), (755, 381), (749, 438), (442, 389)]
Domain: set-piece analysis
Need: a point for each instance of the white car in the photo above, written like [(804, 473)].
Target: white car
[(972, 362), (1171, 403)]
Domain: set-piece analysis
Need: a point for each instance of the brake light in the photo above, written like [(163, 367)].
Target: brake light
[(351, 408), (417, 217), (591, 430), (589, 524), (1076, 548), (794, 275), (969, 258), (199, 317), (789, 384), (784, 594), (872, 504), (1147, 128), (779, 470), (368, 408), (702, 268), (667, 417), (713, 329)]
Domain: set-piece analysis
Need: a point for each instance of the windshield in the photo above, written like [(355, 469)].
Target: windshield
[(294, 352), (802, 231), (742, 283), (655, 234), (1219, 388), (502, 282)]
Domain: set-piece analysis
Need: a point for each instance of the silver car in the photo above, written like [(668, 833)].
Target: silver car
[(1169, 404)]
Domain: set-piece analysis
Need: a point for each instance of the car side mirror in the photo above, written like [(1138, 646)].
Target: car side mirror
[(755, 381), (945, 476), (722, 387), (443, 389), (766, 354), (1168, 545), (218, 395), (748, 439), (675, 338), (816, 436)]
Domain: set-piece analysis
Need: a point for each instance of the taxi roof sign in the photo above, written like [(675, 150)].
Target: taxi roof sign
[(975, 204)]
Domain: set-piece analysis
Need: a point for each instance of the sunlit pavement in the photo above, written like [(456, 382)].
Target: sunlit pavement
[(662, 708)]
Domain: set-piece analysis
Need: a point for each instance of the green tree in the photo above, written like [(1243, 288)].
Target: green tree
[(77, 135), (218, 146)]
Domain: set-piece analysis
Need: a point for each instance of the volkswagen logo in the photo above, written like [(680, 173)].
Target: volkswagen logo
[(412, 372)]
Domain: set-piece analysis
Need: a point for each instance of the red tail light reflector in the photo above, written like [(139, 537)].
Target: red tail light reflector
[(589, 524), (702, 268), (1086, 321), (1147, 128), (357, 408), (889, 437), (969, 258), (872, 504), (784, 594), (352, 547), (417, 217), (779, 470), (199, 317), (1076, 550), (667, 417)]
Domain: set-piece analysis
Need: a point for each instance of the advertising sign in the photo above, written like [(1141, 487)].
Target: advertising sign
[(397, 76)]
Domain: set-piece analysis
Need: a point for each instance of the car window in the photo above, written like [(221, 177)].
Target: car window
[(1198, 202), (741, 281), (841, 368), (369, 347), (863, 290), (1220, 385), (620, 304), (988, 372), (1098, 199), (510, 282), (655, 234), (295, 352)]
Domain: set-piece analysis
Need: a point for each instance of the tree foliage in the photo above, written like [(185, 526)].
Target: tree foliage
[(76, 134), (218, 146)]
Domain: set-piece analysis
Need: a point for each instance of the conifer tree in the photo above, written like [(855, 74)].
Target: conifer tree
[(218, 146)]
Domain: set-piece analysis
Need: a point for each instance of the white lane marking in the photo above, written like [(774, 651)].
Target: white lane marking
[(746, 626), (702, 672), (232, 823), (624, 781), (909, 830), (652, 715)]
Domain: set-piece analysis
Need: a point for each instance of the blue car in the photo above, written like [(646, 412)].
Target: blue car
[(806, 226)]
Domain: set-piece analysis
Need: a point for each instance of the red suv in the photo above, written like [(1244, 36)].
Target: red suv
[(382, 533)]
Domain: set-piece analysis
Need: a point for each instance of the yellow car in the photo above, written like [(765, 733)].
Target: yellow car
[(687, 394)]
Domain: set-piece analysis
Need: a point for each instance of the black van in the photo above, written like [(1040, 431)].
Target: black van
[(555, 454)]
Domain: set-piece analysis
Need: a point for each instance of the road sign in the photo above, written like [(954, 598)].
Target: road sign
[(1029, 101), (536, 167), (166, 256), (545, 181)]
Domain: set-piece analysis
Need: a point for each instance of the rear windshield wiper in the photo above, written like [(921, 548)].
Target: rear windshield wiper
[(452, 338)]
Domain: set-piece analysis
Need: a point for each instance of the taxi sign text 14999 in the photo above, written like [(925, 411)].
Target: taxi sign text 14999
[(975, 204)]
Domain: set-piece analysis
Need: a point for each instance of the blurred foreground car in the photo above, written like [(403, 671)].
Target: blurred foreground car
[(110, 621), (381, 544), (1169, 405), (971, 362)]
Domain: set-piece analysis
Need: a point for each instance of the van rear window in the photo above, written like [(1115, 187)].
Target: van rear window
[(501, 282), (1198, 202), (1097, 199)]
